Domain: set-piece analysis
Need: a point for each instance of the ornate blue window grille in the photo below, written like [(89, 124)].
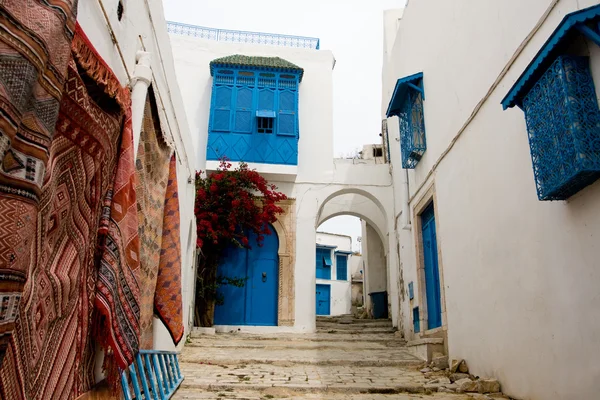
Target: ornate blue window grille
[(254, 110), (407, 104), (563, 124), (558, 96)]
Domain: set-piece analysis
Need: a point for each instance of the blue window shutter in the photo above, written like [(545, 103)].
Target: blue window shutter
[(287, 113), (266, 99), (243, 110), (341, 267), (222, 109)]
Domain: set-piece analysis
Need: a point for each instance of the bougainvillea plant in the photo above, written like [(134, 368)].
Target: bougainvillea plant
[(230, 204)]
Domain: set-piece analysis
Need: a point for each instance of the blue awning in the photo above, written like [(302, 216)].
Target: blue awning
[(403, 85), (265, 113), (343, 252), (327, 259), (572, 25)]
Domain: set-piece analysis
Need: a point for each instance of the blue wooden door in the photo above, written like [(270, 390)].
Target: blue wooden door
[(256, 302), (432, 272), (233, 265), (323, 300), (263, 282)]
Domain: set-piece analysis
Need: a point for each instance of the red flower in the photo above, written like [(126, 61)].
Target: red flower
[(245, 241)]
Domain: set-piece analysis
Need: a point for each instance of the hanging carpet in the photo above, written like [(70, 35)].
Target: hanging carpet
[(167, 300), (51, 353), (152, 172), (35, 38)]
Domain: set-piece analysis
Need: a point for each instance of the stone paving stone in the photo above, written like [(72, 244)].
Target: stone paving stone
[(336, 366)]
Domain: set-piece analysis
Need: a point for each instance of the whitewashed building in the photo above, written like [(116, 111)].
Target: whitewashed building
[(266, 99), (333, 259), (507, 278)]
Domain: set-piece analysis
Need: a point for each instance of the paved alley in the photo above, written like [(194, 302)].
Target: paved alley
[(358, 361)]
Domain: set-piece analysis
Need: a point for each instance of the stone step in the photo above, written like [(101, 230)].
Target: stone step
[(295, 344), (352, 336), (355, 330), (375, 324), (289, 394), (296, 356)]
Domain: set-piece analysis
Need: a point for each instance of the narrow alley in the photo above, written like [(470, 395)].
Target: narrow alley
[(345, 359)]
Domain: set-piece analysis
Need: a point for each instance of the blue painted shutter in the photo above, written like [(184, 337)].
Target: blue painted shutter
[(287, 113), (266, 99), (341, 267), (222, 109), (243, 110)]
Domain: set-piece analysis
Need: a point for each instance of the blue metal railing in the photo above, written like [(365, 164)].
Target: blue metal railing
[(225, 35), (154, 375)]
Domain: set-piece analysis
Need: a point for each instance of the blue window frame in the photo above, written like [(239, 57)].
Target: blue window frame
[(557, 94), (416, 320), (341, 267), (407, 104), (254, 110), (323, 263)]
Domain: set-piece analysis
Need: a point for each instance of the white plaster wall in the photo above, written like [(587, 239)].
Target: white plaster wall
[(136, 23), (341, 242), (520, 276)]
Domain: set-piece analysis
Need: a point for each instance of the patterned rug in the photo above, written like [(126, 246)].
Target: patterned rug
[(35, 39), (51, 353), (152, 172), (167, 300)]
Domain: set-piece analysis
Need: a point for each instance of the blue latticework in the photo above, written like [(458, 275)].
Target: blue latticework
[(412, 129), (563, 124)]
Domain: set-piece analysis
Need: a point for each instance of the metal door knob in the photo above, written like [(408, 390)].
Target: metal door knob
[(264, 276)]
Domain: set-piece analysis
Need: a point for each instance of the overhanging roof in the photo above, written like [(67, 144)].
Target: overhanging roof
[(572, 25), (403, 85), (265, 63)]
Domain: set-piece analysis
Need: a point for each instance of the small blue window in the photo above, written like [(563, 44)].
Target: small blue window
[(341, 267), (416, 321), (323, 263), (411, 291), (407, 104)]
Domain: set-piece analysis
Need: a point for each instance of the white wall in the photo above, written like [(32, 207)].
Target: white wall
[(520, 276), (136, 23)]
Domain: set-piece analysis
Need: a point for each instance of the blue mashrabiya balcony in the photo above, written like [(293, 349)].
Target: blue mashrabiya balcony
[(254, 110), (558, 96)]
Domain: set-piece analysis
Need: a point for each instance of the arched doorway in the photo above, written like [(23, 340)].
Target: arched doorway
[(256, 302)]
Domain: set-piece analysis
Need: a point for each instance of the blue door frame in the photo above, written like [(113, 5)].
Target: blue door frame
[(256, 302), (432, 272), (323, 299)]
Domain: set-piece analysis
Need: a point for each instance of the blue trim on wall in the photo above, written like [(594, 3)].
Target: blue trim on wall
[(571, 25), (414, 82)]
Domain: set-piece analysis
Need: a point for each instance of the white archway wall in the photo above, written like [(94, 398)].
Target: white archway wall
[(313, 208), (356, 205)]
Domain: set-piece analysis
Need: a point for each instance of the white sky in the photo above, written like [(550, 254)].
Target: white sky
[(351, 29)]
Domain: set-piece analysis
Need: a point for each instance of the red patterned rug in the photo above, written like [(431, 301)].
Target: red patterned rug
[(35, 42), (51, 353), (152, 172), (167, 300)]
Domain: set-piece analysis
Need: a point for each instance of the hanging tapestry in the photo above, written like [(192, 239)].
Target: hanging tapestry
[(152, 172), (51, 354), (167, 300), (35, 39)]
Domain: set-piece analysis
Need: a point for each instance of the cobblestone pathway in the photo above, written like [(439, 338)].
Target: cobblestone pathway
[(361, 361)]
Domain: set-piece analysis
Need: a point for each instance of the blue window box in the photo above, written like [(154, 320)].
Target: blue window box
[(254, 110), (563, 124), (407, 104), (556, 91)]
